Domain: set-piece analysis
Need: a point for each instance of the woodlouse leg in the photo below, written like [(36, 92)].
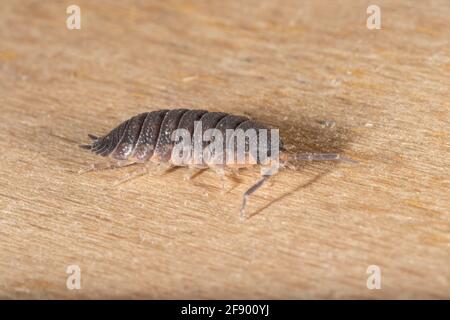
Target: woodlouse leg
[(106, 165), (251, 190), (221, 172), (148, 168), (224, 174), (192, 172), (161, 168), (231, 177), (132, 175)]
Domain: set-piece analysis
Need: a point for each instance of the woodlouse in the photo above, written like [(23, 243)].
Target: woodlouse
[(147, 139)]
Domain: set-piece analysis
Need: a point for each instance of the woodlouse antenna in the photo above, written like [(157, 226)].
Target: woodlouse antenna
[(308, 156)]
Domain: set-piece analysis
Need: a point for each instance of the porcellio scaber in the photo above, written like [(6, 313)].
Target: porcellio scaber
[(147, 139)]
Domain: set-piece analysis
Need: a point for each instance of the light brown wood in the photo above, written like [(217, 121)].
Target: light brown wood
[(294, 64)]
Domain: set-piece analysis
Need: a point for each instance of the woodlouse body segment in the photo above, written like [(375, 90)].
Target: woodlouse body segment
[(129, 138), (145, 145), (164, 145), (148, 137), (208, 121)]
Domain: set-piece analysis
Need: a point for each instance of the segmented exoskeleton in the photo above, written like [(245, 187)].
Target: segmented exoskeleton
[(148, 138)]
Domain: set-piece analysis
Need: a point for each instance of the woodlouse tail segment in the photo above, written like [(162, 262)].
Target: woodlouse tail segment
[(92, 137), (105, 166), (86, 146), (90, 146), (102, 146)]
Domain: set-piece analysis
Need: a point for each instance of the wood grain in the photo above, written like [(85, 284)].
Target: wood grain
[(294, 64)]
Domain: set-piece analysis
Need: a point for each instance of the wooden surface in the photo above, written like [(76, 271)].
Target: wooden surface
[(293, 64)]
